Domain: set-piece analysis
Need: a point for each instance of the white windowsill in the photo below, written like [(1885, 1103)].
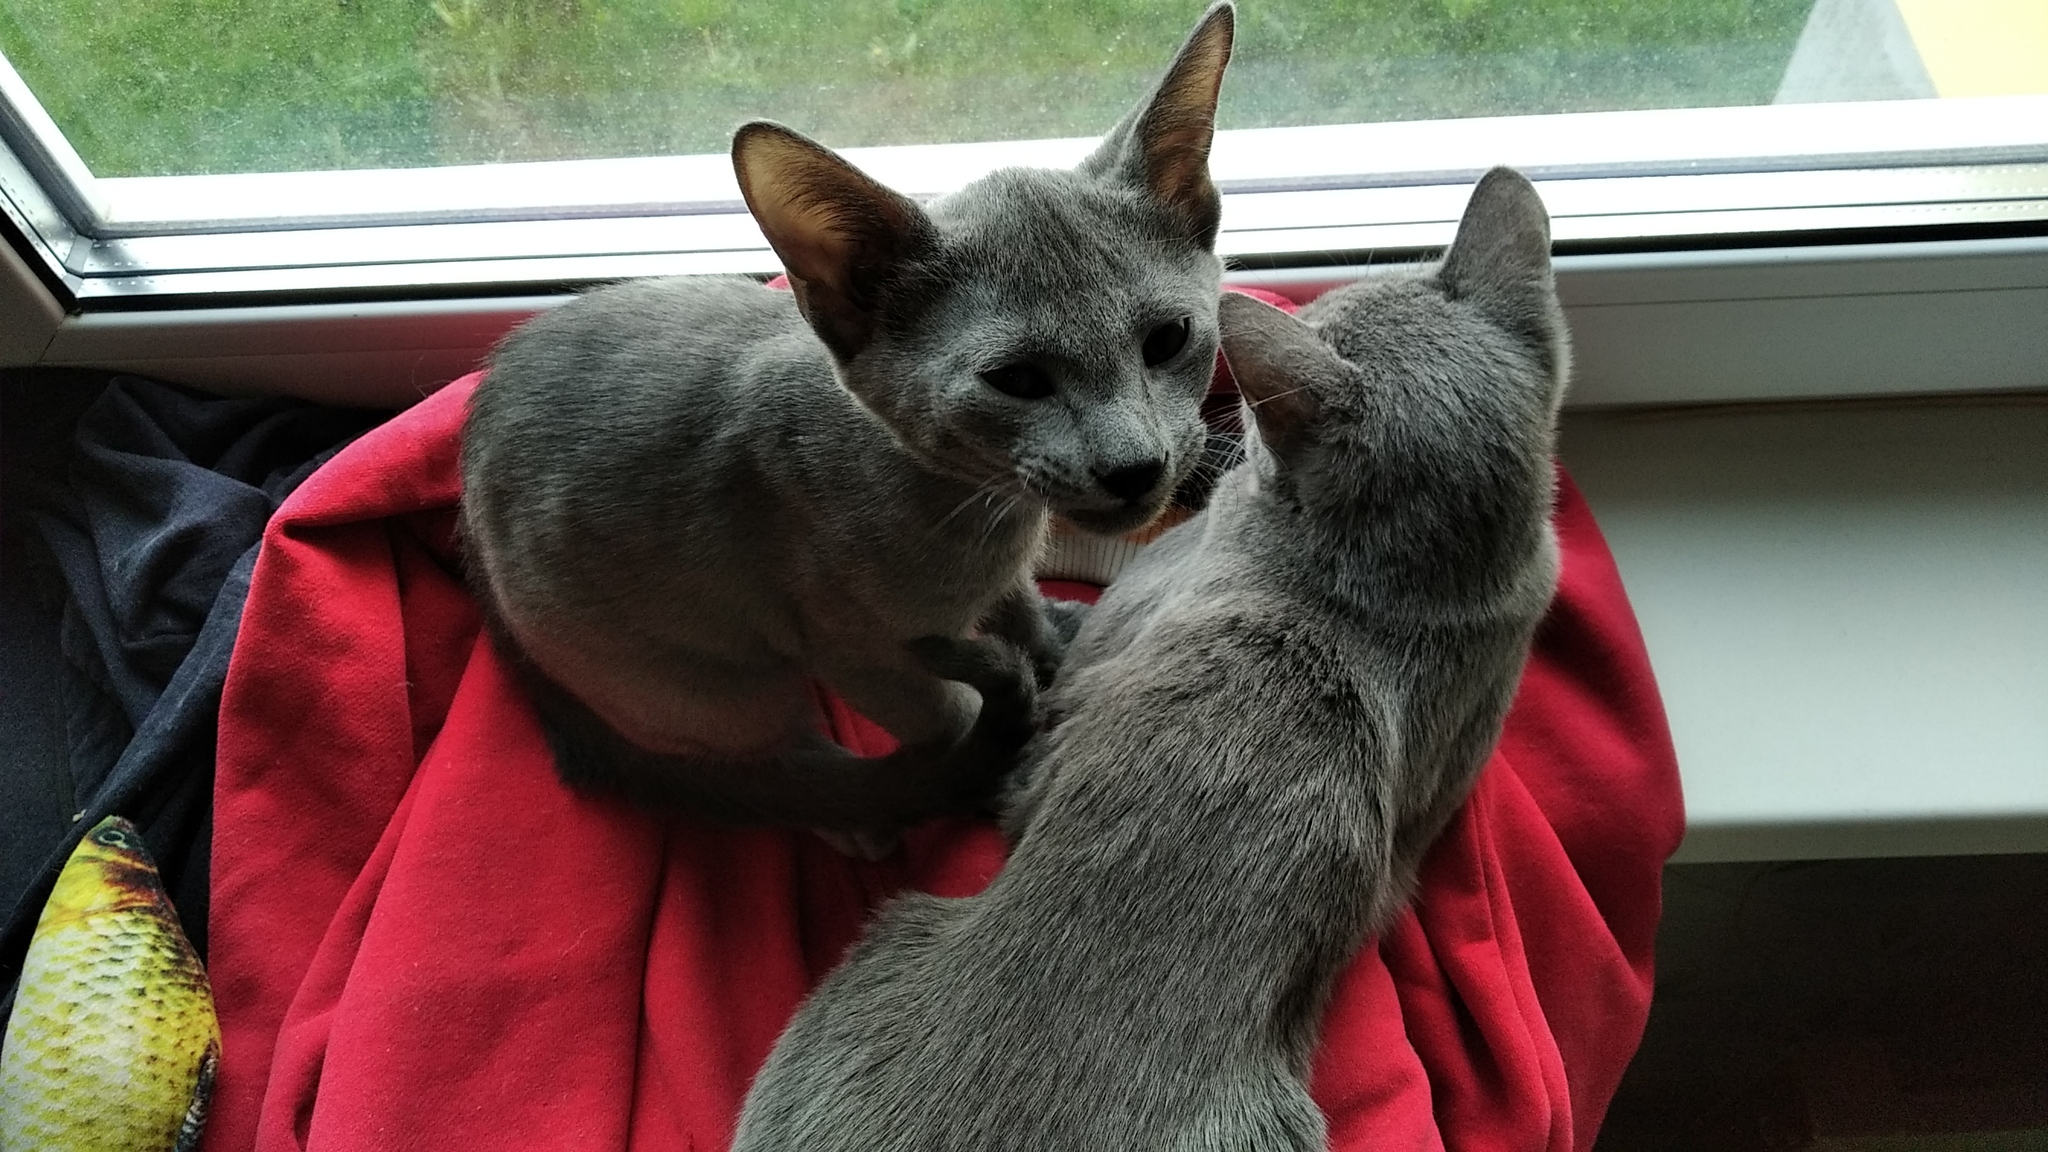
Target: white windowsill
[(1847, 609)]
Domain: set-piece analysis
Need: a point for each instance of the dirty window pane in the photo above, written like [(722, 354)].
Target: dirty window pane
[(160, 87)]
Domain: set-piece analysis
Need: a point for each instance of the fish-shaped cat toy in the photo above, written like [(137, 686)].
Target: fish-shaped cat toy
[(113, 1043)]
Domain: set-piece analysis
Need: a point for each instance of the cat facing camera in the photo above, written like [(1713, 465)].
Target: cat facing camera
[(688, 501)]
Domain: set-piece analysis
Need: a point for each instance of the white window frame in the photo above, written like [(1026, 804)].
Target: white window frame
[(1707, 257), (1339, 194)]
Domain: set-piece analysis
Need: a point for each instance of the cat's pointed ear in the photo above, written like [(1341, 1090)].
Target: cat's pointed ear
[(1502, 251), (1162, 145), (841, 235), (1278, 363)]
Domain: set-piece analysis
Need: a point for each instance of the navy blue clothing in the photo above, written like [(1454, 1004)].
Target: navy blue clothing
[(130, 513)]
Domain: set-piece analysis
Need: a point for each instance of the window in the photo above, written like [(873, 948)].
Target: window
[(181, 150), (177, 88)]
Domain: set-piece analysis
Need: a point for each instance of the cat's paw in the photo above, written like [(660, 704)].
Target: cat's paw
[(1045, 664), (1039, 626), (977, 765), (1005, 677)]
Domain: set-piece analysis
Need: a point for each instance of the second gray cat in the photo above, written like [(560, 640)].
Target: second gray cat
[(686, 500), (1260, 729)]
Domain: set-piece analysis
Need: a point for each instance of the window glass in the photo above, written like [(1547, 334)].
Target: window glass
[(161, 87)]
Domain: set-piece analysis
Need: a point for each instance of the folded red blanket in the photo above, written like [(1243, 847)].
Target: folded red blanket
[(421, 940)]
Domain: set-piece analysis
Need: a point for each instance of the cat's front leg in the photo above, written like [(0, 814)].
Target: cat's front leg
[(1038, 625), (958, 771), (997, 671)]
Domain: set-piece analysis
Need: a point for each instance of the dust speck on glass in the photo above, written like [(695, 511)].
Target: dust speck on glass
[(160, 87)]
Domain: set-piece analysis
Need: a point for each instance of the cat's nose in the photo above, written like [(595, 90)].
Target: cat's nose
[(1132, 481)]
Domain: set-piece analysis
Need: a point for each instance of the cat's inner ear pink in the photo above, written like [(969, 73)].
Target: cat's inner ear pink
[(1176, 130), (820, 213), (1277, 361), (836, 230)]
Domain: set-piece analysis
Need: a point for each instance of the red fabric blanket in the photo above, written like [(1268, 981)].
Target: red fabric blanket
[(421, 940)]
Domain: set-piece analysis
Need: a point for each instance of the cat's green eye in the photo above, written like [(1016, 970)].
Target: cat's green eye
[(1165, 342), (1024, 381)]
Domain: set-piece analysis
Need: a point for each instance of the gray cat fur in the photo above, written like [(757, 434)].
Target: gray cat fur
[(683, 498), (1259, 731)]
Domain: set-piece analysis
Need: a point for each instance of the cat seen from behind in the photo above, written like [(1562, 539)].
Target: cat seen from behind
[(687, 501), (1258, 732)]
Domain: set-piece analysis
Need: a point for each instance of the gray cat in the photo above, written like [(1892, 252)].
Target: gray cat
[(684, 500), (1261, 728)]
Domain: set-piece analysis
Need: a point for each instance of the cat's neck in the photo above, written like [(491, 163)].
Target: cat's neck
[(1183, 920), (1384, 567), (1298, 553)]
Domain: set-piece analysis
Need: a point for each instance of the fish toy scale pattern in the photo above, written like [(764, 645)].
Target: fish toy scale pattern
[(113, 1042)]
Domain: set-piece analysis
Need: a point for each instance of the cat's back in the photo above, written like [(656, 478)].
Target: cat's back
[(626, 408), (622, 422), (649, 356)]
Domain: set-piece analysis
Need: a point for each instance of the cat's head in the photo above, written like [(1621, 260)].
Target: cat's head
[(1470, 356), (1048, 334)]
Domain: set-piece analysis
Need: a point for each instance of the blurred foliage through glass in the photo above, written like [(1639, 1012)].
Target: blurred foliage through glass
[(149, 87)]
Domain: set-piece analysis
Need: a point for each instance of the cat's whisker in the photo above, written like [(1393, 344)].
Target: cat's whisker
[(1010, 502), (983, 491), (1256, 404)]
